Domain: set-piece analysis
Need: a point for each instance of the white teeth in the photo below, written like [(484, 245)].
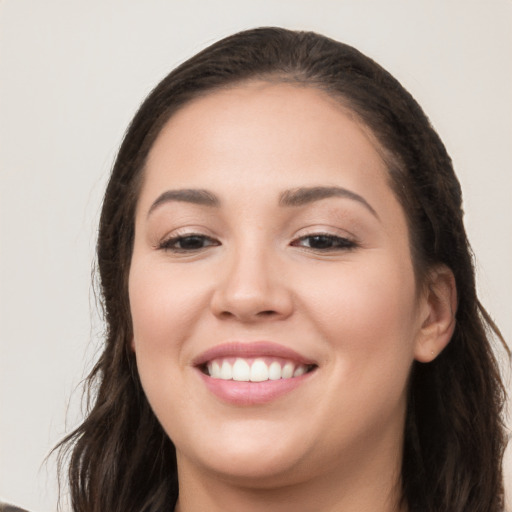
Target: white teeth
[(226, 371), (288, 371), (215, 369), (300, 370), (257, 370), (274, 371), (241, 370)]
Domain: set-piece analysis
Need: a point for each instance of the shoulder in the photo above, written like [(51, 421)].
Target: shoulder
[(5, 507)]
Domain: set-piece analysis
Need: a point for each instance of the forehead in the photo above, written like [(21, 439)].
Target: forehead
[(264, 124), (250, 143)]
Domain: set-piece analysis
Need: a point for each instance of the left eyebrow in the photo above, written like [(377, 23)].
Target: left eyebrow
[(305, 195)]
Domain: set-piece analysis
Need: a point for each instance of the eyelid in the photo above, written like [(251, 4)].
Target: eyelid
[(343, 242), (167, 244), (325, 230), (174, 236), (188, 230)]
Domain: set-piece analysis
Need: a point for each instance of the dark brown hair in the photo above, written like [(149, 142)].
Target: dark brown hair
[(121, 460)]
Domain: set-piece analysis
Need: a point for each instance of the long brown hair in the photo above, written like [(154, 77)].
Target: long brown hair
[(121, 460)]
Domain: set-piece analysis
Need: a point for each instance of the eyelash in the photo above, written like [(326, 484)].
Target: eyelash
[(337, 243), (170, 244)]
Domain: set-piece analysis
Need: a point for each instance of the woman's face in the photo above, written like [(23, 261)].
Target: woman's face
[(272, 291)]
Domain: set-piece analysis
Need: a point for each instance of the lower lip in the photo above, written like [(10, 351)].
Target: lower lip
[(252, 393)]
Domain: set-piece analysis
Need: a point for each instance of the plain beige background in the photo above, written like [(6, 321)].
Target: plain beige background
[(72, 74)]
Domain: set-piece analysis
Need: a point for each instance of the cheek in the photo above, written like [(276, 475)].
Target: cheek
[(366, 317), (164, 306), (366, 311)]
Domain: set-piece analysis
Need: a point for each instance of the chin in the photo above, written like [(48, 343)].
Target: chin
[(255, 471), (254, 460)]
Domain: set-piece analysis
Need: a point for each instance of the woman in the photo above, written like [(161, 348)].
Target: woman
[(290, 299)]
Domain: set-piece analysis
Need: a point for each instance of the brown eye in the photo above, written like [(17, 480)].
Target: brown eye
[(188, 243), (323, 242)]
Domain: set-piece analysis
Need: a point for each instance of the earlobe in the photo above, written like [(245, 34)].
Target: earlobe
[(438, 320)]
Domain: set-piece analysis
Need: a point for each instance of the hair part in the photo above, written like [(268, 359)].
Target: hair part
[(454, 438)]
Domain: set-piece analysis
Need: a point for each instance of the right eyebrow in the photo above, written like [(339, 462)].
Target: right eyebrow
[(187, 195)]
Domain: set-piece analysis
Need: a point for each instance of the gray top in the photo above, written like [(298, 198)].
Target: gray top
[(5, 507)]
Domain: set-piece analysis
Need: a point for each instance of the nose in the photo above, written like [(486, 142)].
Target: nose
[(252, 288)]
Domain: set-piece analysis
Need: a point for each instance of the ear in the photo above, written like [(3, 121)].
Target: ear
[(439, 305)]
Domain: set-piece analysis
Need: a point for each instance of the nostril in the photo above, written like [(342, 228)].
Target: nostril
[(268, 312)]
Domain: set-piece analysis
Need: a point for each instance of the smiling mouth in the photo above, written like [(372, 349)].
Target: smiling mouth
[(255, 369), (253, 373)]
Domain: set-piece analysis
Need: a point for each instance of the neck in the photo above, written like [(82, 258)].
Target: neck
[(307, 497), (371, 484)]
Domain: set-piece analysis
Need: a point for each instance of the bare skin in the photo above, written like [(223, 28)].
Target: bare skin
[(266, 216)]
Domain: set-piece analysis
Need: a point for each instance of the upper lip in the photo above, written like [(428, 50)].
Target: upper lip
[(251, 349)]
